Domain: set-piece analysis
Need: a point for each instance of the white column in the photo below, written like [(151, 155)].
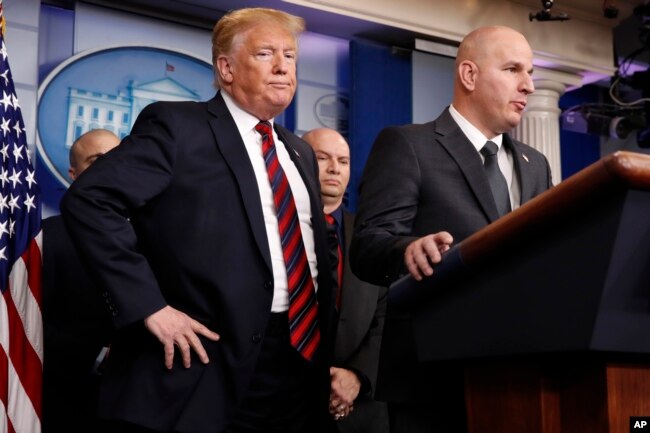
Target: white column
[(540, 124)]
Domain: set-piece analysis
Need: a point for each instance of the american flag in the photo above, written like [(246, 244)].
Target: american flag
[(21, 326)]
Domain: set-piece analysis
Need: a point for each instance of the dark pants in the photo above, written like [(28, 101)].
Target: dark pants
[(70, 388), (126, 427), (423, 418), (368, 416), (283, 395)]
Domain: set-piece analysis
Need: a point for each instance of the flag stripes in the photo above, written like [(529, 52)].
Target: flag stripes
[(21, 326)]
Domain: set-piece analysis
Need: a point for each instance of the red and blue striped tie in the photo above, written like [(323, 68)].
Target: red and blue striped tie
[(333, 226), (303, 308)]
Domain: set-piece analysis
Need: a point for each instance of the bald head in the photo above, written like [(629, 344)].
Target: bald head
[(319, 136), (333, 156), (88, 147), (493, 78), (477, 44)]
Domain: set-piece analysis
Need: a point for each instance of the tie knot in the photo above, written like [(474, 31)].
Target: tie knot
[(264, 127), (490, 149), (330, 219)]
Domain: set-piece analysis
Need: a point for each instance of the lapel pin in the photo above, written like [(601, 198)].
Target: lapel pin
[(525, 157)]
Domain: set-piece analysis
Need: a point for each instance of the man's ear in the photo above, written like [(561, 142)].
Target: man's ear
[(467, 72), (225, 69), (72, 173)]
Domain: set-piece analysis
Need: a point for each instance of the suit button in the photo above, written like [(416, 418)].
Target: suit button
[(256, 338), (113, 310), (268, 285)]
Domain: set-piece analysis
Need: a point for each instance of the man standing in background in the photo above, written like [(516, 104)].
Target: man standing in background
[(76, 319), (362, 306), (205, 226), (426, 186)]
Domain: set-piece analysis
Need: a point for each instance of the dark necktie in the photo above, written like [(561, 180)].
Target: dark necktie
[(337, 252), (495, 177), (303, 307)]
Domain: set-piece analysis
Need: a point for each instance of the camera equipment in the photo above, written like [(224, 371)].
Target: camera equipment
[(610, 10), (546, 15)]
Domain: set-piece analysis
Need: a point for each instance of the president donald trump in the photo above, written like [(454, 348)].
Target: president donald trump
[(204, 228)]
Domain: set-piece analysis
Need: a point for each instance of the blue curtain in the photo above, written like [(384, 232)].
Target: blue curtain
[(578, 150), (381, 95)]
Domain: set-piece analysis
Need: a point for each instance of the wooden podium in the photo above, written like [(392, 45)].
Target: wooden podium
[(548, 308)]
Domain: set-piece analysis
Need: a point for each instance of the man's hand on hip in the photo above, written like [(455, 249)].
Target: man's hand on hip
[(175, 328)]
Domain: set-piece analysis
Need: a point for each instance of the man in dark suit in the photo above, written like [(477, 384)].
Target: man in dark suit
[(426, 186), (362, 306), (205, 226), (76, 323)]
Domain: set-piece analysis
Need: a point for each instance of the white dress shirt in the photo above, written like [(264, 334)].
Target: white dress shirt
[(253, 141)]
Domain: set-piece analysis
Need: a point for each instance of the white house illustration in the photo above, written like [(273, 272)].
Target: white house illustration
[(89, 110)]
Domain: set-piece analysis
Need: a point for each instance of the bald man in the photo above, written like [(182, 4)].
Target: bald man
[(361, 306), (76, 317), (88, 147), (427, 186)]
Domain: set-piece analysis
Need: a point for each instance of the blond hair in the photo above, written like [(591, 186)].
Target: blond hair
[(240, 20)]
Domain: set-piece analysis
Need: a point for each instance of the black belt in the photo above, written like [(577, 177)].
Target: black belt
[(278, 324)]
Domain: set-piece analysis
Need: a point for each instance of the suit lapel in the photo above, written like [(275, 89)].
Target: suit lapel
[(348, 232), (360, 298), (299, 163), (234, 153), (310, 182), (522, 168), (451, 137)]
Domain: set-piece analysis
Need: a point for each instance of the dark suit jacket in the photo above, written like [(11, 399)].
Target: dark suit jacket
[(196, 240), (76, 325), (358, 340), (361, 319), (421, 179)]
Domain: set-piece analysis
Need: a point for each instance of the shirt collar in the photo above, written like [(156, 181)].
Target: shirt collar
[(338, 215), (245, 121), (472, 133)]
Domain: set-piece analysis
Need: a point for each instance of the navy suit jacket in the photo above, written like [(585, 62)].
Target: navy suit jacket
[(419, 180), (173, 216)]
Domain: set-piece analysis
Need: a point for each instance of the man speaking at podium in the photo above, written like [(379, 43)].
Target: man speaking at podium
[(426, 186)]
